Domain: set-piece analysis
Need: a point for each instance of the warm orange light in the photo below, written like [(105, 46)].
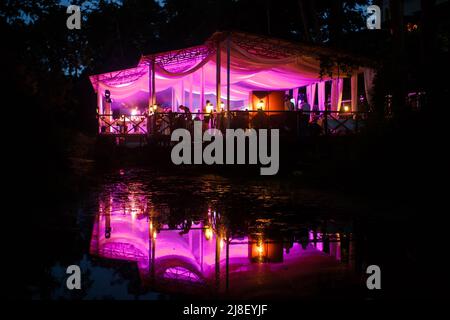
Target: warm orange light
[(346, 108), (260, 249), (221, 243), (260, 105), (208, 233), (209, 108), (154, 235), (412, 27)]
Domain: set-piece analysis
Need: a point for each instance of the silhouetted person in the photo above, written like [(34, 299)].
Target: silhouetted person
[(315, 129), (208, 116), (260, 120), (187, 116), (288, 105), (305, 116)]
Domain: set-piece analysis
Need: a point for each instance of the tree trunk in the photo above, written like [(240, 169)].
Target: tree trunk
[(428, 57), (304, 17), (398, 57), (335, 21)]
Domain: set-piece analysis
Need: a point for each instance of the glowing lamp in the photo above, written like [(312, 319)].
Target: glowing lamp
[(209, 108), (346, 108), (155, 107), (154, 235), (134, 112), (208, 233), (222, 106), (260, 105)]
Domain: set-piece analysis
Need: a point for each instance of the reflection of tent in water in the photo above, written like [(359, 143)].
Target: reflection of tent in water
[(235, 71), (174, 260)]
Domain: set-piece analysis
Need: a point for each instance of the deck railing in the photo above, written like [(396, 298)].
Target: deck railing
[(300, 123), (124, 125)]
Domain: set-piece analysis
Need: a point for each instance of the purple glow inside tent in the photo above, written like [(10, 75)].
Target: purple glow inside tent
[(228, 68)]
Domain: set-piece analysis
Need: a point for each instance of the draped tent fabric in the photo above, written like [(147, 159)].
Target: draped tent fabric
[(321, 95), (337, 86), (354, 91), (248, 72), (311, 94), (295, 94), (369, 75)]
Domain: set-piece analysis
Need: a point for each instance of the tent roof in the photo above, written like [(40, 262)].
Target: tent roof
[(256, 63), (258, 45)]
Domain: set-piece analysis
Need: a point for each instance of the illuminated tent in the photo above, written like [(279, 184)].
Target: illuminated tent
[(229, 67)]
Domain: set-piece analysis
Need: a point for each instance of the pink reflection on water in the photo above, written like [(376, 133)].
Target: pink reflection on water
[(124, 231)]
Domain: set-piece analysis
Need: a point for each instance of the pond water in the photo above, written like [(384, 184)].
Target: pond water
[(144, 234)]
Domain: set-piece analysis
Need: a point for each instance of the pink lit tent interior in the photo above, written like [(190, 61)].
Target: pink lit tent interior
[(227, 70)]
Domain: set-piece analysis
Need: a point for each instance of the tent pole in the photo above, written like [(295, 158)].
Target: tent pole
[(151, 83), (191, 98), (100, 109), (217, 262), (228, 81), (183, 94), (354, 91), (151, 90), (173, 99), (218, 76), (202, 93)]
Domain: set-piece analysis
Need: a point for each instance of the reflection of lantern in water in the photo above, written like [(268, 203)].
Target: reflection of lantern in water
[(260, 249), (265, 250)]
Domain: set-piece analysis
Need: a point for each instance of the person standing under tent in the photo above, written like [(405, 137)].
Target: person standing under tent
[(305, 116), (288, 105), (208, 109)]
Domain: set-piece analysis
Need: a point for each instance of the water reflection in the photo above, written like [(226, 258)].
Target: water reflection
[(206, 253)]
